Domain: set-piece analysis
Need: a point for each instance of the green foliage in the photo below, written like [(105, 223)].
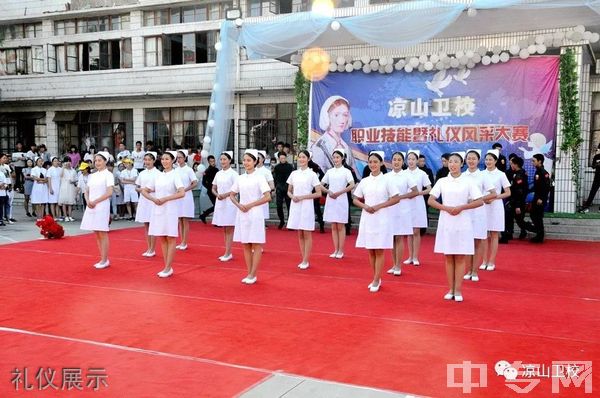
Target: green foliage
[(569, 113), (302, 91)]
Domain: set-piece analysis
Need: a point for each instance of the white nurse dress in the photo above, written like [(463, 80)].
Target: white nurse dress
[(302, 213), (336, 210), (97, 219), (225, 211), (250, 225)]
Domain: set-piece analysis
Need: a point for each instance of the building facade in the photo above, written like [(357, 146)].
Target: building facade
[(105, 72)]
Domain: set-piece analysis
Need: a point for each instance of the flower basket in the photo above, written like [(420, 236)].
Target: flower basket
[(49, 228)]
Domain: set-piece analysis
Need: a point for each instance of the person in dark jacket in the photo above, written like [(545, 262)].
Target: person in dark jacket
[(350, 199), (595, 184), (317, 202), (443, 171), (207, 182), (541, 191), (281, 172), (515, 205), (501, 162), (423, 166)]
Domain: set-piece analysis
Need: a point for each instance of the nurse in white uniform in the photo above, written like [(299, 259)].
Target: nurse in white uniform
[(98, 191), (302, 211), (375, 195), (54, 173), (266, 173), (186, 204), (494, 209), (164, 220), (39, 191), (454, 237), (400, 216), (250, 221), (478, 215), (225, 211), (337, 182), (146, 180), (419, 211)]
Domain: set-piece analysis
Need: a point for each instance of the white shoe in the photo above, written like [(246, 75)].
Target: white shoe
[(181, 247), (163, 274), (333, 255), (249, 281), (394, 271), (407, 261), (339, 255), (398, 272), (102, 265), (458, 298), (150, 254), (467, 277), (303, 265), (490, 267), (474, 278), (391, 270), (483, 266), (448, 296), (371, 285), (416, 262), (226, 258)]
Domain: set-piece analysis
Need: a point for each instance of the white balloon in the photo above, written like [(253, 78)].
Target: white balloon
[(216, 87), (213, 105), (482, 50), (357, 65), (577, 36), (530, 40), (557, 43), (514, 49), (414, 62), (539, 39), (504, 57), (366, 68), (540, 48), (332, 67), (470, 64), (206, 139), (476, 58), (586, 35), (401, 62), (349, 68), (389, 68), (218, 46), (238, 22), (531, 49), (439, 65), (374, 64), (383, 61), (459, 54), (524, 54), (464, 60), (434, 58), (211, 123), (496, 49), (469, 53), (428, 65), (579, 28), (202, 168), (595, 37), (365, 59), (569, 34), (454, 63), (443, 56), (423, 59), (421, 68), (335, 25), (408, 68), (495, 58), (485, 60), (204, 153), (381, 69), (340, 60)]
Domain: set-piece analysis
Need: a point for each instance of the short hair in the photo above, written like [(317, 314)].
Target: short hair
[(210, 157), (421, 156), (282, 154), (286, 145), (539, 157), (279, 143), (497, 145), (517, 160), (445, 156), (66, 159), (138, 142), (512, 155)]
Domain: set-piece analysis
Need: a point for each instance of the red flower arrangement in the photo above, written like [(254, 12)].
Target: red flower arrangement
[(49, 228)]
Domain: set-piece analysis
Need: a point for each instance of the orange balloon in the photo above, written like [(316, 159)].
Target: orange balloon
[(315, 64)]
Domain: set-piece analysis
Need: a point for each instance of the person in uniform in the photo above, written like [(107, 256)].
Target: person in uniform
[(225, 211), (337, 182), (454, 237), (519, 188), (281, 173), (164, 221), (595, 184), (479, 214), (419, 211), (186, 204), (494, 208), (96, 217), (146, 180), (541, 190), (301, 184), (207, 182), (250, 220), (375, 195), (400, 213)]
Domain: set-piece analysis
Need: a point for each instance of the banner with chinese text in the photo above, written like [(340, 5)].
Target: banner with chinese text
[(513, 103)]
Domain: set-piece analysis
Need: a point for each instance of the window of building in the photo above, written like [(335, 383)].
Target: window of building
[(21, 31), (8, 135), (21, 61), (187, 14), (91, 25), (178, 49), (175, 127), (266, 123), (100, 55)]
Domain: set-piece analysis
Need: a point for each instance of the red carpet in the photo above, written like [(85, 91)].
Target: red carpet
[(202, 333)]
